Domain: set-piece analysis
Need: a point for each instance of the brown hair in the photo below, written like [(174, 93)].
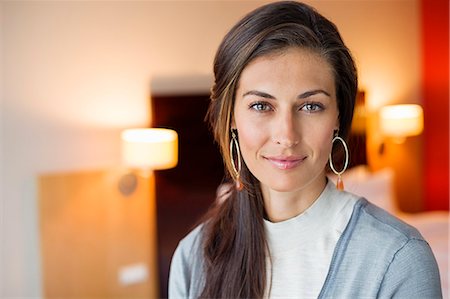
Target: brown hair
[(234, 241)]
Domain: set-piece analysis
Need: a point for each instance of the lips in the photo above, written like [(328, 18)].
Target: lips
[(285, 162)]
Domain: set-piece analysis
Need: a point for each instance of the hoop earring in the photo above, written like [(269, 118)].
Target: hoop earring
[(234, 144), (339, 182)]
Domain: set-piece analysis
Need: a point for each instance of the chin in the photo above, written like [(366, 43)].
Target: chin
[(281, 184), (285, 186)]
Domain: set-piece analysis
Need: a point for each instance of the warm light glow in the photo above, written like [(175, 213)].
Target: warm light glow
[(150, 148), (401, 121)]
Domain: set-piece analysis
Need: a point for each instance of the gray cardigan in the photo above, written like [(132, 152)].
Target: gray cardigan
[(377, 256)]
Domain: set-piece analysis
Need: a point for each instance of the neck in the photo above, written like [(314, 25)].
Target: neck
[(280, 206)]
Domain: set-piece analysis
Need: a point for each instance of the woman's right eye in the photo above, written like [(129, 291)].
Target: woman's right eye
[(260, 106)]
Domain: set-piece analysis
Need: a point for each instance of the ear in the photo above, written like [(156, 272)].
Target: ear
[(337, 125), (232, 123), (336, 131)]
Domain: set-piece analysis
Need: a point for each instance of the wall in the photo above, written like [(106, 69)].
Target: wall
[(1, 146), (76, 73), (435, 73)]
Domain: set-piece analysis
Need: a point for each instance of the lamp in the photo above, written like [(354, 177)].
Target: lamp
[(147, 149), (401, 121), (153, 148)]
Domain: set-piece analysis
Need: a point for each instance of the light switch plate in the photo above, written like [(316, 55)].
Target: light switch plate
[(133, 274)]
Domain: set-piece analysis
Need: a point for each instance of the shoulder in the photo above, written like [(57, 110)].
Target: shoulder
[(383, 257), (374, 234), (409, 267), (378, 222), (188, 250), (186, 268), (192, 239)]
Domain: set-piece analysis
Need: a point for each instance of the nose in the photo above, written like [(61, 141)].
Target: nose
[(285, 131)]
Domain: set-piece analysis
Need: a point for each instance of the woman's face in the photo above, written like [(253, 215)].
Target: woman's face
[(286, 113)]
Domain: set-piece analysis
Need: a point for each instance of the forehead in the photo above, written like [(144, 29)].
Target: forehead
[(301, 66), (297, 56)]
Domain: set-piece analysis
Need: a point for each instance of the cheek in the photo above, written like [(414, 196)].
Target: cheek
[(251, 139), (320, 141), (327, 145)]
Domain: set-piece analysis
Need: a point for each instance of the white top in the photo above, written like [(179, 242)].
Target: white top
[(301, 248)]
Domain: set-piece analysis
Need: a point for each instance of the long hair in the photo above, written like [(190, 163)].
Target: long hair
[(235, 247)]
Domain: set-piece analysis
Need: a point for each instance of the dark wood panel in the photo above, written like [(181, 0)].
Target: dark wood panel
[(184, 193)]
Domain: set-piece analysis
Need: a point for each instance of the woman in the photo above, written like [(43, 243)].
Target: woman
[(284, 92)]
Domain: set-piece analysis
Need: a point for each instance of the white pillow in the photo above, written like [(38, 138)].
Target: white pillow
[(377, 187)]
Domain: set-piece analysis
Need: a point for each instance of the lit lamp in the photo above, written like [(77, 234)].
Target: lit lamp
[(401, 121), (153, 148), (148, 150)]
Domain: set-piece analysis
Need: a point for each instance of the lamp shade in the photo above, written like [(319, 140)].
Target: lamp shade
[(153, 148), (401, 121)]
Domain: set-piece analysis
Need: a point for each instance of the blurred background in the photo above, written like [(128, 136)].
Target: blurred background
[(75, 74)]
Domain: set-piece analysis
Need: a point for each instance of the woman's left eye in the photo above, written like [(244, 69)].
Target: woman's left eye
[(312, 107)]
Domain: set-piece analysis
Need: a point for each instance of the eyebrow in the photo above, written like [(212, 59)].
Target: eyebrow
[(304, 95)]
